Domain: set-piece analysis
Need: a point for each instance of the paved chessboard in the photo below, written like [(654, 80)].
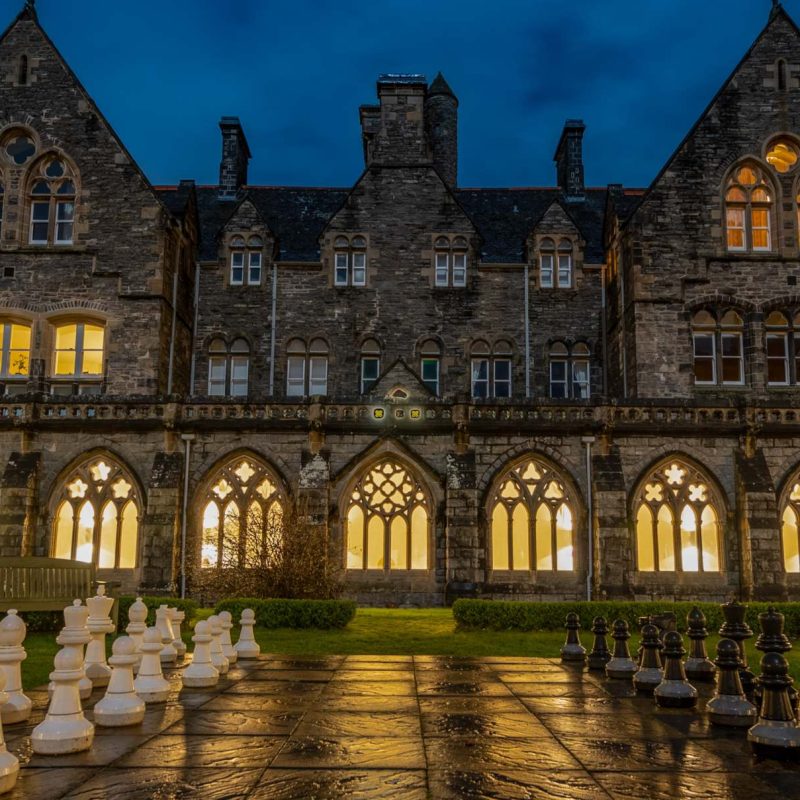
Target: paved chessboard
[(402, 728)]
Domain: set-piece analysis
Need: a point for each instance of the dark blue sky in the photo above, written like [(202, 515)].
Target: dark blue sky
[(639, 72)]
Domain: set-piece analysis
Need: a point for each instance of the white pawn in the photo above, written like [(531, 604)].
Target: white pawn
[(177, 617), (75, 635), (247, 646), (121, 705), (150, 683), (217, 656), (99, 624), (65, 729), (137, 616), (169, 655), (9, 763), (17, 707), (201, 672), (226, 623)]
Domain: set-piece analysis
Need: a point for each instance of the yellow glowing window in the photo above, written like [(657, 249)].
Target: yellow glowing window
[(16, 355), (748, 210), (782, 156), (79, 349), (791, 543)]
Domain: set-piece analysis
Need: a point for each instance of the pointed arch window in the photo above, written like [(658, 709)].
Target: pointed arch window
[(228, 368), (242, 516), (97, 516), (387, 520), (677, 519), (718, 348), (532, 518), (370, 364), (790, 527), (52, 203), (748, 210)]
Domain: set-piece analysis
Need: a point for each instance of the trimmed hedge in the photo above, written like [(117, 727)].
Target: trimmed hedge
[(152, 602), (520, 616), (277, 613)]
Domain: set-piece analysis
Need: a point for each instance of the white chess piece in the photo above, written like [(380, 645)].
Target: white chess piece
[(121, 705), (150, 683), (9, 763), (75, 635), (177, 617), (217, 656), (226, 623), (17, 707), (247, 646), (201, 672), (137, 616), (65, 729), (99, 624), (169, 655)]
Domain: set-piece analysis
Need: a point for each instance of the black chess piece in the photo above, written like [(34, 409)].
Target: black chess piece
[(737, 629), (650, 673), (674, 691), (773, 640), (699, 666), (621, 665), (776, 733), (600, 654), (572, 649), (729, 706)]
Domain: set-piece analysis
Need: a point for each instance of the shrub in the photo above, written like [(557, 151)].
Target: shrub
[(152, 602), (280, 613), (43, 621), (515, 615)]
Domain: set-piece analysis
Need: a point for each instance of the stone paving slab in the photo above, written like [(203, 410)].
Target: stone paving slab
[(405, 728)]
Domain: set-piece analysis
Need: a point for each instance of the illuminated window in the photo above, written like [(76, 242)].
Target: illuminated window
[(242, 519), (306, 369), (491, 369), (677, 521), (350, 261), (78, 349), (748, 210), (782, 155), (16, 354), (228, 368), (370, 364), (246, 259), (532, 519), (718, 348), (387, 520), (790, 527), (97, 516), (430, 358), (450, 261), (52, 203), (569, 371)]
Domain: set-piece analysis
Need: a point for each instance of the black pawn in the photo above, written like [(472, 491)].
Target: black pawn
[(649, 675), (600, 654), (773, 640), (698, 666), (674, 691), (572, 649), (729, 706), (621, 665), (737, 629), (776, 733)]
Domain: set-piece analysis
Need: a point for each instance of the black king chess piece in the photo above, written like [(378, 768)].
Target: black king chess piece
[(773, 640)]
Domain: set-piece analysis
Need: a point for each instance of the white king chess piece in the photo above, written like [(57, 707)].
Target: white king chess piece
[(169, 655), (99, 624), (226, 623), (121, 705), (137, 616), (247, 646), (17, 707), (9, 763), (177, 617), (150, 683)]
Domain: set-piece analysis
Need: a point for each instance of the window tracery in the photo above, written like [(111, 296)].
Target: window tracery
[(52, 203), (748, 210)]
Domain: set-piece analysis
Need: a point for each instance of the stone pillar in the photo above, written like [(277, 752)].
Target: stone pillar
[(18, 505), (464, 553), (613, 555)]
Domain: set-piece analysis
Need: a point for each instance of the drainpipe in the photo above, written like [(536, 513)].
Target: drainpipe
[(604, 328), (172, 331), (187, 439), (527, 336), (589, 441), (273, 325), (194, 324)]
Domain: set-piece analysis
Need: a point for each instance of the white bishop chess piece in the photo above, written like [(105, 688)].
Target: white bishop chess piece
[(9, 763), (177, 617), (137, 616), (169, 655), (75, 635), (150, 683), (121, 705), (17, 707), (201, 672), (226, 623), (99, 624), (217, 656), (247, 646)]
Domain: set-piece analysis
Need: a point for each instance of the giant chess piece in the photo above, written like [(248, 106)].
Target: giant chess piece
[(217, 656), (572, 649), (9, 763), (17, 707), (737, 629), (650, 673), (247, 647), (176, 618), (99, 624), (137, 625), (674, 691), (65, 729), (201, 672), (226, 623), (729, 706), (169, 655), (600, 654), (773, 640), (621, 665), (121, 705), (776, 733), (75, 635), (698, 666), (150, 683)]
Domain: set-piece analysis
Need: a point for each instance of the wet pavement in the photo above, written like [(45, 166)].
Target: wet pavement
[(406, 728)]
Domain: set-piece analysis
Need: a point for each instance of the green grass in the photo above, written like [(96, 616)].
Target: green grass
[(382, 631)]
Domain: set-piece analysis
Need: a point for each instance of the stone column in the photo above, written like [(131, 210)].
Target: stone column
[(613, 555), (18, 504), (464, 553)]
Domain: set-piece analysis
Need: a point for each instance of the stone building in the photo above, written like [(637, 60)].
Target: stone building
[(532, 393)]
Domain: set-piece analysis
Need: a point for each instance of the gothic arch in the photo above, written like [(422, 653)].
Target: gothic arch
[(789, 521)]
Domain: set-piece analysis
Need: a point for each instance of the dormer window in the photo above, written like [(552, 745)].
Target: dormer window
[(246, 260), (555, 264), (350, 261), (748, 209), (450, 261)]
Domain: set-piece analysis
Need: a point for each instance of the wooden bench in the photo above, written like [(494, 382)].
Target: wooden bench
[(47, 584)]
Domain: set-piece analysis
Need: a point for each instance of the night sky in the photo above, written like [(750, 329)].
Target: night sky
[(639, 72)]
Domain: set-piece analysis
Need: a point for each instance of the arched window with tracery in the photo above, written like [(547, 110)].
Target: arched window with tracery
[(532, 516), (52, 202), (790, 526), (242, 517), (388, 520), (677, 521), (748, 210), (97, 516)]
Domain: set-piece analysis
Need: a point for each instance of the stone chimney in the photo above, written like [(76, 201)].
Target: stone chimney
[(441, 122), (569, 160), (398, 135), (370, 127), (235, 156)]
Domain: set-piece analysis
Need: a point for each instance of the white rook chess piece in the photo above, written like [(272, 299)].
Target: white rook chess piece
[(169, 655), (121, 705), (65, 729), (217, 656), (17, 707), (226, 623), (75, 635), (247, 646), (177, 617), (99, 624), (201, 672), (137, 616), (150, 683), (9, 763)]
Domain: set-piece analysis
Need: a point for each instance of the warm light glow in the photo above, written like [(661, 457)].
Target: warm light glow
[(782, 155), (791, 543), (100, 471), (244, 472), (210, 551)]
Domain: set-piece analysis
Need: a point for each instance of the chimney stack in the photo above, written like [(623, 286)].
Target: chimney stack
[(235, 157), (399, 136), (569, 161), (441, 120)]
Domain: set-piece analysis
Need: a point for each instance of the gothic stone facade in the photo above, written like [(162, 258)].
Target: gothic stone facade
[(511, 393)]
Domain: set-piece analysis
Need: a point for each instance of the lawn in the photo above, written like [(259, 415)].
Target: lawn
[(382, 631)]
